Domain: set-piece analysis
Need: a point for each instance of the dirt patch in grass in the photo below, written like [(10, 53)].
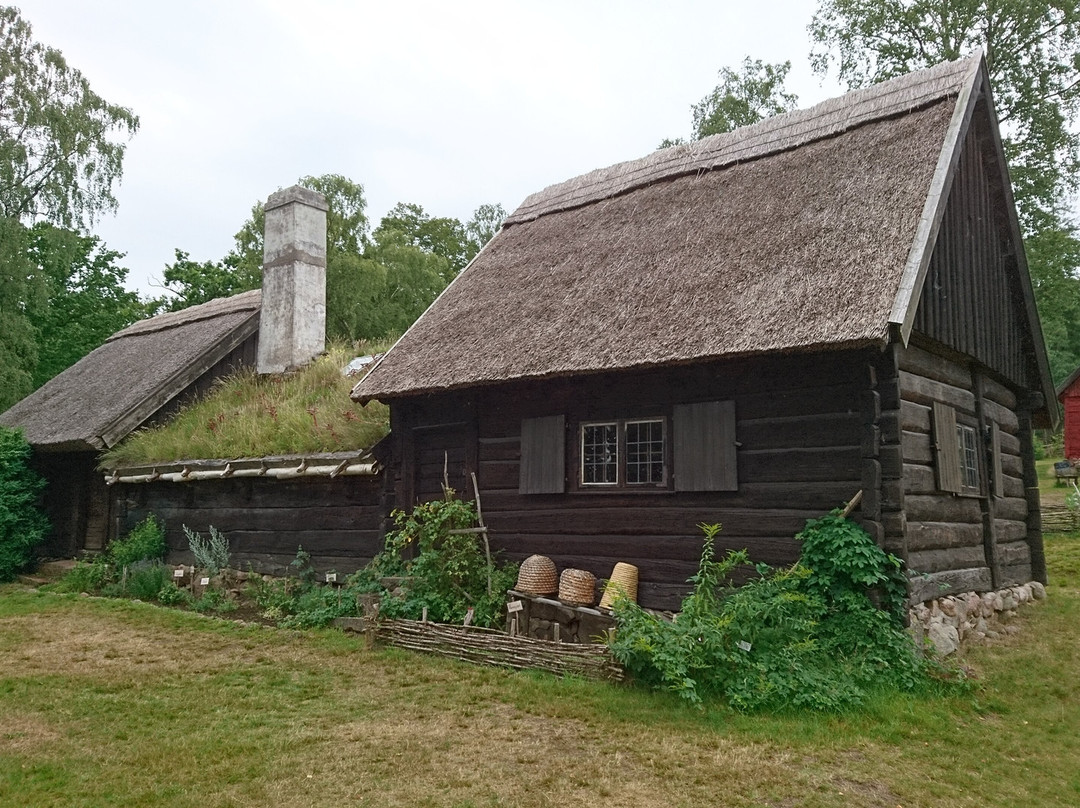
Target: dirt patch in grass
[(24, 733)]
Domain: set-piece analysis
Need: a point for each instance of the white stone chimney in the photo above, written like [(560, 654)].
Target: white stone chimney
[(292, 325)]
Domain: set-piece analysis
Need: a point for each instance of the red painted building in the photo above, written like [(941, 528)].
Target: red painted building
[(1068, 393)]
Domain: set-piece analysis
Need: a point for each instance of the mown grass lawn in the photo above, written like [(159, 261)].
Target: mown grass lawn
[(124, 704)]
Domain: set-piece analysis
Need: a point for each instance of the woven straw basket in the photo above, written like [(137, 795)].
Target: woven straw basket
[(577, 587), (537, 576), (623, 583)]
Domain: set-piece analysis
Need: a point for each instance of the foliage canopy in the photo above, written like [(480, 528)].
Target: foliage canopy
[(61, 144)]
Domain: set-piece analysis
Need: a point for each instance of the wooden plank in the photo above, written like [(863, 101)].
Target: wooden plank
[(650, 521), (704, 447), (543, 455), (915, 417), (921, 362), (1003, 416), (942, 535), (996, 475), (919, 479), (801, 465), (247, 518), (943, 508), (937, 584), (1014, 508), (928, 392), (946, 448), (815, 496), (823, 429), (1000, 394), (1013, 553), (1015, 575), (918, 448), (953, 558), (1008, 530)]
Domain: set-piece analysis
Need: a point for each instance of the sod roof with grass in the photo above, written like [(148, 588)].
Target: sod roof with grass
[(105, 395)]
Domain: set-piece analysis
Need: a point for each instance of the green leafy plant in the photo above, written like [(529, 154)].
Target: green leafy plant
[(808, 636), (142, 580), (210, 554), (172, 595), (22, 525), (146, 541), (213, 600), (445, 571)]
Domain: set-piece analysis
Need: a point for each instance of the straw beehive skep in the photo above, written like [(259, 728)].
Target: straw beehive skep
[(623, 583)]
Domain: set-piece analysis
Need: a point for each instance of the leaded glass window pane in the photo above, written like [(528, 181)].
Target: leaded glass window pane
[(969, 456), (645, 452), (600, 454)]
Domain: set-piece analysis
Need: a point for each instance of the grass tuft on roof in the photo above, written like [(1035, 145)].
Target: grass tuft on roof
[(247, 415)]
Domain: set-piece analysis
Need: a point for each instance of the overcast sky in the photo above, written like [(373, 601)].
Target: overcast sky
[(445, 104)]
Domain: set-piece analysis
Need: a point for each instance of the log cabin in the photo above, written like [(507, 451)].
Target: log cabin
[(749, 330), (329, 503)]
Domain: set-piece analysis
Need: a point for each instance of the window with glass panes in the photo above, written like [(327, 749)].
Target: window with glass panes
[(620, 453)]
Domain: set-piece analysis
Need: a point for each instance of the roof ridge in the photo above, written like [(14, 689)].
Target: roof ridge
[(251, 300), (769, 136)]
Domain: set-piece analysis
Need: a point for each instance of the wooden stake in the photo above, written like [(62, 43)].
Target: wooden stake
[(852, 505), (480, 520)]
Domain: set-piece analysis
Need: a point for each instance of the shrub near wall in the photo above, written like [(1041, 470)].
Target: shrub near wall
[(22, 525)]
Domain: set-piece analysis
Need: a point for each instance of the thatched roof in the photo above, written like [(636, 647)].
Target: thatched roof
[(115, 388), (808, 231)]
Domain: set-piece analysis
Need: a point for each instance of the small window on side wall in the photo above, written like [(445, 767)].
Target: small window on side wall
[(956, 453)]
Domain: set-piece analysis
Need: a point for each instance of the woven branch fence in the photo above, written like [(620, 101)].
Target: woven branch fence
[(485, 646), (1058, 518)]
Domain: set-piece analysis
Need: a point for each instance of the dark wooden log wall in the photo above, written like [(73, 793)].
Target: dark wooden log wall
[(972, 300), (960, 542), (805, 425), (76, 502), (336, 520)]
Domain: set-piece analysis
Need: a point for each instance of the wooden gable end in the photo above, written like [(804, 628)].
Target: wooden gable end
[(973, 298)]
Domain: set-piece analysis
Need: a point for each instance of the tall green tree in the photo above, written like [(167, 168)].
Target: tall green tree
[(20, 289), (1032, 50), (85, 299), (61, 144), (742, 97)]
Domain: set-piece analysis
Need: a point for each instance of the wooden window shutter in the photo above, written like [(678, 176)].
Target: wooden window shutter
[(703, 446), (543, 455), (995, 460), (946, 448)]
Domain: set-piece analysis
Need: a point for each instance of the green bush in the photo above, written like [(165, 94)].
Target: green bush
[(22, 525), (448, 573), (807, 636), (144, 580), (145, 542)]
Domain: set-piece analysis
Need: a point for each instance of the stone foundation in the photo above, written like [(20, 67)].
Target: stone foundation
[(950, 621)]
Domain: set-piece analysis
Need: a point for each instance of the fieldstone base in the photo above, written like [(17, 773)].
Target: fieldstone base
[(950, 621)]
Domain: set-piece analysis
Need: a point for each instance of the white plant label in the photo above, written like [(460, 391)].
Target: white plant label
[(744, 645), (331, 577), (204, 582), (514, 606), (178, 573)]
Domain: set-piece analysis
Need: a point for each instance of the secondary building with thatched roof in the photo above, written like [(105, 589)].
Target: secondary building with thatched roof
[(139, 376), (267, 506), (749, 329)]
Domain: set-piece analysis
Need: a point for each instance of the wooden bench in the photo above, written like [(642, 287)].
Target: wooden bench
[(1065, 471)]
